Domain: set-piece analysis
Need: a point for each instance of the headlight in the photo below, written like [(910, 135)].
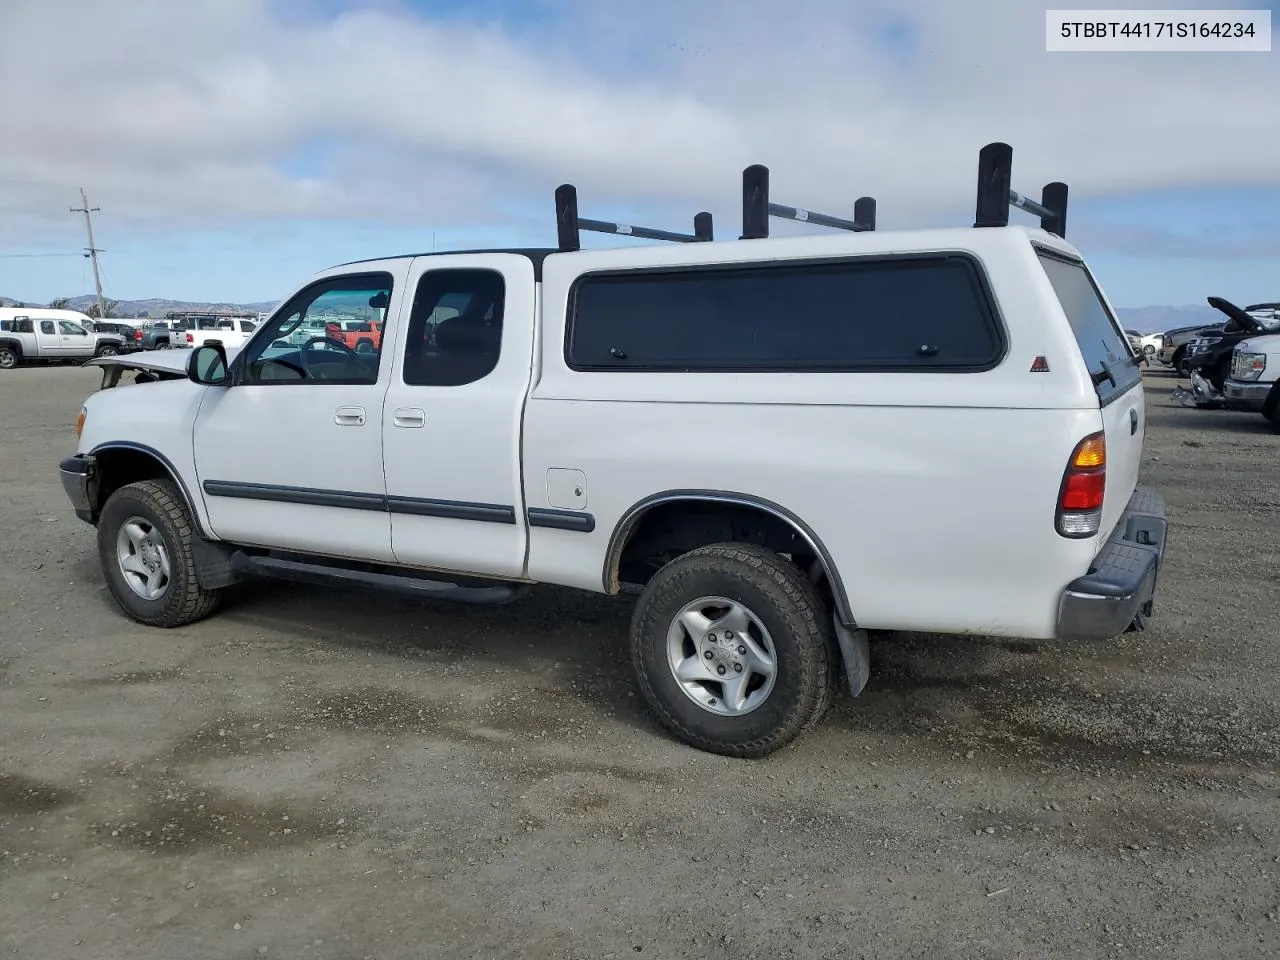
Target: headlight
[(80, 417), (1248, 366)]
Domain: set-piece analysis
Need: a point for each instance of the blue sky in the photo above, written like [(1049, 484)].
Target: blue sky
[(277, 137)]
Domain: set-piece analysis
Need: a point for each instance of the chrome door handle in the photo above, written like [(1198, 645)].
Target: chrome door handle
[(349, 416), (409, 417)]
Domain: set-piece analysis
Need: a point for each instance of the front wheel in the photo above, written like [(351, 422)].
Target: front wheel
[(107, 350), (1271, 407), (734, 650), (145, 534)]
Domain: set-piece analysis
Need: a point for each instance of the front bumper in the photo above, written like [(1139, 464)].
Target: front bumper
[(1245, 394), (1120, 585), (79, 473)]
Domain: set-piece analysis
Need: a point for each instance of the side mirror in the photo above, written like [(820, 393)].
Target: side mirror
[(207, 365)]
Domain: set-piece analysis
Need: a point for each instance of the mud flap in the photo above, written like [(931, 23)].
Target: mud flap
[(856, 655)]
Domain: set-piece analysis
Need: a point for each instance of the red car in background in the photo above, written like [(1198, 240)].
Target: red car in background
[(360, 336)]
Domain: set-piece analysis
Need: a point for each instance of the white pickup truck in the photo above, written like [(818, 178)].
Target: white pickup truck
[(230, 333), (43, 335), (1254, 380), (778, 444)]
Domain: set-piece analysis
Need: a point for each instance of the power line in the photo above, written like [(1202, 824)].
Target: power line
[(93, 251), (20, 256)]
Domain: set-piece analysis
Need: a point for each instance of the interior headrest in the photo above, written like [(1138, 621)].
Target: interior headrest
[(465, 334)]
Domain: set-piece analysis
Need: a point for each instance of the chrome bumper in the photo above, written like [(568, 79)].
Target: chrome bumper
[(1246, 394), (1118, 591)]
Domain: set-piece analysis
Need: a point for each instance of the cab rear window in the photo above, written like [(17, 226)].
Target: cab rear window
[(1102, 342)]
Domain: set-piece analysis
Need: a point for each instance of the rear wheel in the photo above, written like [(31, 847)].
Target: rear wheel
[(734, 650), (145, 534), (9, 358)]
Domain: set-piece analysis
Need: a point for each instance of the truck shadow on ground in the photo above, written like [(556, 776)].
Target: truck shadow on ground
[(1024, 701), (557, 661)]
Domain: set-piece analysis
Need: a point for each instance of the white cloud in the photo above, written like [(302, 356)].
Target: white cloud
[(182, 113)]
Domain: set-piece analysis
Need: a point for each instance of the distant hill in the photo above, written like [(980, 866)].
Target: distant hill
[(158, 308), (1142, 319)]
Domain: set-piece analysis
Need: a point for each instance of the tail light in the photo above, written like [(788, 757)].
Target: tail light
[(137, 334), (1083, 486), (191, 338)]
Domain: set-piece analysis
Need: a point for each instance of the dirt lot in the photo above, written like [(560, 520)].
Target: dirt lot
[(323, 775)]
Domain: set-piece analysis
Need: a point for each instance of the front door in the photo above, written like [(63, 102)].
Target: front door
[(452, 414), (290, 455), (76, 341)]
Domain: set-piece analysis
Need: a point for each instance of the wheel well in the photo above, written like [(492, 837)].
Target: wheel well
[(118, 467), (14, 345), (673, 528)]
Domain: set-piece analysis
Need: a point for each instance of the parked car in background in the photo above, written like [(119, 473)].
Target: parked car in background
[(1210, 353), (157, 335), (1173, 348), (230, 333), (358, 335), (127, 332), (1254, 380), (44, 335)]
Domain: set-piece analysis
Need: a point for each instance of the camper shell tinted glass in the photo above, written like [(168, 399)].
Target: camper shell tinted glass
[(906, 312), (1102, 343)]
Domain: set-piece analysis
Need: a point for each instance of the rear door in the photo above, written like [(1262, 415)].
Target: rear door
[(50, 341), (451, 426), (1116, 376)]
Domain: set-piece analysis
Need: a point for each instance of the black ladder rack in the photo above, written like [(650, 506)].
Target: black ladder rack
[(757, 208), (568, 224), (995, 196)]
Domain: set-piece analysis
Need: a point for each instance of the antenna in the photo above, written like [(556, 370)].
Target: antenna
[(995, 196), (757, 209), (569, 224), (92, 251)]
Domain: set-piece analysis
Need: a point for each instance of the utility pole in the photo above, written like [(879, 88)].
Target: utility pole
[(93, 251)]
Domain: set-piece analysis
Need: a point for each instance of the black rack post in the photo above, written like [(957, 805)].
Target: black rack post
[(755, 202), (995, 170), (995, 196), (864, 211), (569, 224), (757, 208)]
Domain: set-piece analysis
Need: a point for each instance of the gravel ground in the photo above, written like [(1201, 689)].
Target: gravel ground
[(325, 775)]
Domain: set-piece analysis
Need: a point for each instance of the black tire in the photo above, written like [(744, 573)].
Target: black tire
[(107, 350), (1179, 362), (1271, 406), (786, 603), (9, 357), (161, 504)]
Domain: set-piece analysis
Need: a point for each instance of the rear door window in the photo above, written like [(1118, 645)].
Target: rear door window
[(1102, 342)]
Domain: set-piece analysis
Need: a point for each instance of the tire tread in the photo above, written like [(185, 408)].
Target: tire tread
[(190, 602), (800, 606)]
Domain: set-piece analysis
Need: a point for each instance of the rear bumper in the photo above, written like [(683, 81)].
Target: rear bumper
[(1121, 583), (77, 473), (1246, 395)]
